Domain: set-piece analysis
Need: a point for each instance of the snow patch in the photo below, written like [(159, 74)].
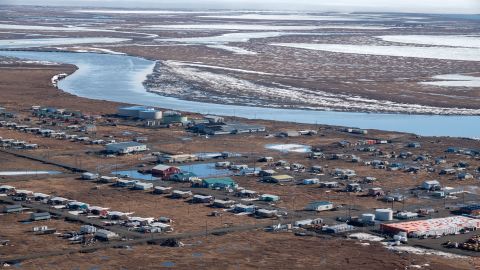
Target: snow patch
[(446, 53), (437, 40), (454, 80), (366, 237), (422, 251), (296, 148)]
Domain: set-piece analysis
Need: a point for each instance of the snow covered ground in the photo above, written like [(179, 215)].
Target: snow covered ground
[(437, 40), (422, 251), (296, 148), (40, 42), (48, 28), (194, 82), (257, 27), (366, 237), (284, 17), (447, 53), (454, 80), (88, 49), (221, 41)]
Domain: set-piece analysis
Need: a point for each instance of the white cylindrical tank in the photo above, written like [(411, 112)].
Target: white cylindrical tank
[(150, 114), (384, 214), (368, 217)]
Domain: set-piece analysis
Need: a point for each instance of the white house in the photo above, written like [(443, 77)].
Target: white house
[(143, 186), (428, 185), (319, 206), (125, 147)]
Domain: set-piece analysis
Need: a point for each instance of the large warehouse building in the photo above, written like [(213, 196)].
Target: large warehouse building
[(432, 227)]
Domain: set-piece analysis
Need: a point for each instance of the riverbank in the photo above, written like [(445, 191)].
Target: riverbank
[(119, 78)]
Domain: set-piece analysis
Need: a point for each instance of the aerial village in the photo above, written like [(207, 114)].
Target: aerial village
[(146, 176)]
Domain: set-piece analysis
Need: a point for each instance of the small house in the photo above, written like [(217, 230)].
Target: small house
[(57, 201), (202, 198), (329, 184), (143, 186), (74, 205), (413, 145), (89, 176), (105, 235), (310, 181), (183, 177), (266, 173), (242, 208), (265, 213), (162, 190), (338, 228), (97, 210), (265, 159), (353, 187), (319, 206), (277, 178), (219, 183), (40, 216), (464, 176), (125, 148), (223, 203), (407, 215), (447, 171), (88, 229), (40, 196), (245, 193), (269, 198), (126, 183), (376, 191), (316, 169), (179, 194), (6, 189), (431, 185), (165, 171), (16, 208), (394, 197)]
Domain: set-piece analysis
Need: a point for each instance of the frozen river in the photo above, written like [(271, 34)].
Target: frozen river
[(119, 78)]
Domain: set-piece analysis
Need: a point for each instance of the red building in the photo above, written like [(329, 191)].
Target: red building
[(164, 171)]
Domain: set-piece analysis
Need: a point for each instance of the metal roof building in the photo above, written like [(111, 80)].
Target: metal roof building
[(433, 227)]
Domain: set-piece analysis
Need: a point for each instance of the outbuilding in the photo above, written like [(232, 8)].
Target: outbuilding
[(16, 208), (202, 198), (125, 147), (143, 186), (105, 235), (165, 171), (221, 183), (319, 206), (223, 203), (40, 216), (269, 198), (278, 178)]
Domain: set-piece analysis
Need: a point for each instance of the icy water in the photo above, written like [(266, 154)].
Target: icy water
[(40, 42), (205, 170), (134, 174), (119, 78), (16, 173)]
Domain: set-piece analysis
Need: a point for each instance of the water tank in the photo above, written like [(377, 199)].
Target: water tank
[(368, 217), (384, 214), (150, 114)]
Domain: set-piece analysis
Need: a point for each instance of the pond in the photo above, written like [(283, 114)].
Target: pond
[(134, 174), (205, 170)]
